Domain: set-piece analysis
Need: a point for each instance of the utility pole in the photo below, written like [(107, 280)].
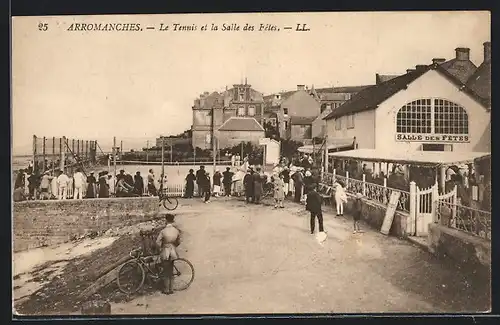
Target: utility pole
[(162, 162), (171, 151), (214, 153), (114, 156), (147, 151)]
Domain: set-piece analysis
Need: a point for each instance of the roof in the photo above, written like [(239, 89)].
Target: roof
[(480, 81), (370, 98), (302, 120), (347, 89), (461, 69), (384, 77), (333, 144), (427, 158), (241, 124)]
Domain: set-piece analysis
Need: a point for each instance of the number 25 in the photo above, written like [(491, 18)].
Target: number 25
[(43, 27)]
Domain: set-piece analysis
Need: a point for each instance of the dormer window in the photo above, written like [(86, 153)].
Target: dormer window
[(242, 97)]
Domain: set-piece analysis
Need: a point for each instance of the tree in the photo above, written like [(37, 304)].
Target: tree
[(290, 147)]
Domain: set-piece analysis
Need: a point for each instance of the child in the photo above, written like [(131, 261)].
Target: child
[(340, 198), (357, 212), (279, 193)]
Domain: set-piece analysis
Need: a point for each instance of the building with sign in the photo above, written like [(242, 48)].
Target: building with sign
[(444, 106)]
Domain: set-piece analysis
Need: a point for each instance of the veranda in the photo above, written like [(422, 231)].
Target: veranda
[(420, 177)]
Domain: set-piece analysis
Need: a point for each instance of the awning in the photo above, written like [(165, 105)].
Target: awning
[(332, 144), (423, 158)]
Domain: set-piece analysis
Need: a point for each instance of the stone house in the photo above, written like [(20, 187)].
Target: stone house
[(212, 110)]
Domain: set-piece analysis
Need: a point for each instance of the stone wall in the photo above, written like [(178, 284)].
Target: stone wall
[(374, 213), (45, 223), (471, 252)]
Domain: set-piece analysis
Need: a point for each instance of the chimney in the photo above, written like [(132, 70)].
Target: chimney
[(301, 87), (462, 53), (487, 51), (420, 66), (409, 70), (438, 61)]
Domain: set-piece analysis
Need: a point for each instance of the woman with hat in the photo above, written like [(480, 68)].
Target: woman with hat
[(279, 192), (91, 186), (103, 185)]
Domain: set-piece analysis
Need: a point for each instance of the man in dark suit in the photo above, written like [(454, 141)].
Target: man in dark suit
[(227, 180), (313, 205), (200, 180)]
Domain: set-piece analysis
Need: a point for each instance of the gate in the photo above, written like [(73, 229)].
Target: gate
[(447, 201), (425, 210), (427, 203)]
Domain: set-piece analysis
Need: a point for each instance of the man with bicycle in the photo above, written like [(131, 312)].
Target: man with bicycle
[(168, 240)]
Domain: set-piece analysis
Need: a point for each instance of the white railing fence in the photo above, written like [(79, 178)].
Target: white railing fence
[(371, 191)]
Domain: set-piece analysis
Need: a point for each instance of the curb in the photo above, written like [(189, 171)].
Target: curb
[(418, 243)]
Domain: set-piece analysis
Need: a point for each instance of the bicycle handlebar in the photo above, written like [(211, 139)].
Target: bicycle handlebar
[(138, 250)]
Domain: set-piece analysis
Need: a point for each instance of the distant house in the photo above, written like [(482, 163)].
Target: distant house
[(238, 129), (241, 101)]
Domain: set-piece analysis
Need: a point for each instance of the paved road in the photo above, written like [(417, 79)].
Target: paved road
[(254, 259)]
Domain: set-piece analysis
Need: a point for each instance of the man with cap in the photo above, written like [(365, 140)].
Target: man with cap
[(227, 180), (79, 181), (168, 240), (313, 205)]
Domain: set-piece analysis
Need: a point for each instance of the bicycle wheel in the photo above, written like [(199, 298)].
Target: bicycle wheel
[(130, 277), (170, 203), (183, 274)]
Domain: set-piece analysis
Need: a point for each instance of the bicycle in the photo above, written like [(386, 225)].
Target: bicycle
[(132, 274), (169, 202)]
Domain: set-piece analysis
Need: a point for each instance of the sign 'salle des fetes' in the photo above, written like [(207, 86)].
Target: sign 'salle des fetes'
[(416, 137)]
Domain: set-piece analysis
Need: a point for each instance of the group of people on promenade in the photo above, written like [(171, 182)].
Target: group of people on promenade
[(29, 185)]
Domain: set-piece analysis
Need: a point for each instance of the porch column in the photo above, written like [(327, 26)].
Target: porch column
[(442, 178)]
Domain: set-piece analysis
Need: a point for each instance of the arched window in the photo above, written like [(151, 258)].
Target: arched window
[(415, 117), (438, 116), (251, 110), (450, 118)]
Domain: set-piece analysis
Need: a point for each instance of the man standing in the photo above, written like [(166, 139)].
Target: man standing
[(248, 184), (217, 182), (257, 183), (298, 180), (79, 181), (200, 174), (227, 180), (138, 184), (286, 180), (62, 185), (151, 183), (313, 205), (168, 240)]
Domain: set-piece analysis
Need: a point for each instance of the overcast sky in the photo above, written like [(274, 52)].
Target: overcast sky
[(138, 85)]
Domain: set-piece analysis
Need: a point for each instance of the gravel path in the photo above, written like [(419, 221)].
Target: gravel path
[(255, 259)]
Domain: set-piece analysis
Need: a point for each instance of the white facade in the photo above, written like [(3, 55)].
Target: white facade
[(377, 129)]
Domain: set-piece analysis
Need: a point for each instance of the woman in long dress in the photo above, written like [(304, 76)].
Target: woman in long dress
[(103, 185), (91, 186), (279, 192), (190, 179), (340, 198)]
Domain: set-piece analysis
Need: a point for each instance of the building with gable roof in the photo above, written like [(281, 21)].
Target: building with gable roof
[(444, 106), (212, 110)]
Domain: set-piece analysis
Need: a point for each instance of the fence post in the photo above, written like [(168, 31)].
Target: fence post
[(62, 151), (364, 185), (346, 179), (410, 226), (435, 198), (385, 182), (454, 208)]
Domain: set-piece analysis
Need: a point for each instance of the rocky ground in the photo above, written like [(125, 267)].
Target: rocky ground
[(256, 259)]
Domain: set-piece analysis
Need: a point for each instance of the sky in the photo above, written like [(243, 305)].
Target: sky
[(135, 86)]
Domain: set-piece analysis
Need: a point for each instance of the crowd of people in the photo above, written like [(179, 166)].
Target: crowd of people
[(30, 185)]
